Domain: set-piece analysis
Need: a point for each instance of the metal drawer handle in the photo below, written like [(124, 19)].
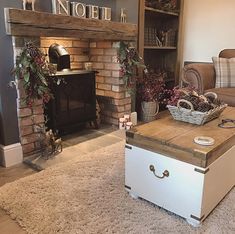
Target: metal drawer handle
[(164, 174)]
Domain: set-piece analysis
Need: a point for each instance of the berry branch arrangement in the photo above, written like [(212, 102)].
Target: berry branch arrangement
[(150, 86), (33, 70), (129, 60)]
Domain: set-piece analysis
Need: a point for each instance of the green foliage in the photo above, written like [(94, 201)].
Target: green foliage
[(33, 69), (129, 60)]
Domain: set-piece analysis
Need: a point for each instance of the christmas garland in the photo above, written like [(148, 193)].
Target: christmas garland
[(33, 69), (129, 60)]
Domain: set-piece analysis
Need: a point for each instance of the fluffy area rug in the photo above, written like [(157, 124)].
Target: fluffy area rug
[(87, 195)]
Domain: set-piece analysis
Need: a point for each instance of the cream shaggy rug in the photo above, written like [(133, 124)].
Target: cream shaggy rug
[(88, 196)]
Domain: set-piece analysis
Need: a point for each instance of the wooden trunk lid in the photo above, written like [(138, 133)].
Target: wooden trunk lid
[(175, 139)]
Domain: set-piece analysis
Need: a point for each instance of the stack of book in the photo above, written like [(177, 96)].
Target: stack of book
[(159, 38), (170, 38)]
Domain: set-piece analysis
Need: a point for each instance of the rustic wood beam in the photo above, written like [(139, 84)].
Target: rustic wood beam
[(32, 23)]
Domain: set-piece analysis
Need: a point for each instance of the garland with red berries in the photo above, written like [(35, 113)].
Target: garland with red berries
[(33, 69), (129, 60)]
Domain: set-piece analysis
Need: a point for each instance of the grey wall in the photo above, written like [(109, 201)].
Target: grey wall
[(131, 7), (43, 5), (8, 115)]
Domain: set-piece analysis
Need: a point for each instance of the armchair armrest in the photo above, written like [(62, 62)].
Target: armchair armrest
[(199, 75)]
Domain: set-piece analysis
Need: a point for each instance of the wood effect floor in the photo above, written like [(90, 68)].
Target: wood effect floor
[(7, 175), (9, 226)]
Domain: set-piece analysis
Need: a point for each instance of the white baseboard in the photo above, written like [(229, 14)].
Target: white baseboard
[(11, 155)]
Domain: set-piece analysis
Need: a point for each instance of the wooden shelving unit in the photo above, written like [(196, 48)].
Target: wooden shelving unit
[(159, 38)]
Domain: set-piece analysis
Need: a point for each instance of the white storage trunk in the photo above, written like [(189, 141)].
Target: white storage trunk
[(189, 191)]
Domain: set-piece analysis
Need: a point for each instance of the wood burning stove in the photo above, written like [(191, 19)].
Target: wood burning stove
[(74, 93), (59, 56), (74, 100)]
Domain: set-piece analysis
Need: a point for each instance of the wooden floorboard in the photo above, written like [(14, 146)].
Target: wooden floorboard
[(7, 175), (9, 226), (11, 174)]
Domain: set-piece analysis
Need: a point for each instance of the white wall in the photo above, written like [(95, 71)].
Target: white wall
[(208, 27)]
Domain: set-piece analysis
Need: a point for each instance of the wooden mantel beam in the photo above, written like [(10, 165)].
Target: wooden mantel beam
[(32, 23)]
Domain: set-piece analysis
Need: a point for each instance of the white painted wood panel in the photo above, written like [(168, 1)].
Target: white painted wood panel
[(185, 192), (219, 180), (180, 193)]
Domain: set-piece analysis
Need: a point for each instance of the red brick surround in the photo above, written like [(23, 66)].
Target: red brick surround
[(111, 94)]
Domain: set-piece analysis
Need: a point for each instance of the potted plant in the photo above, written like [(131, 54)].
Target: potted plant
[(151, 92), (32, 70), (150, 87)]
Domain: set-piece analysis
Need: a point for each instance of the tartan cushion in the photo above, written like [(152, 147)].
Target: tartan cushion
[(225, 72)]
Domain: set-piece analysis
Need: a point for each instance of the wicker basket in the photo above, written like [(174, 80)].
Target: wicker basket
[(192, 116), (149, 111)]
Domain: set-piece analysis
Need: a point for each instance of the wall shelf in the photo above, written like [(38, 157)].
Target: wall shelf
[(160, 48), (161, 11)]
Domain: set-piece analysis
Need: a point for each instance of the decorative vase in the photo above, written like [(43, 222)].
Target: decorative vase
[(149, 111)]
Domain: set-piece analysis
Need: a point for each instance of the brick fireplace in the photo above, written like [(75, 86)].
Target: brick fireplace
[(112, 97), (84, 40)]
